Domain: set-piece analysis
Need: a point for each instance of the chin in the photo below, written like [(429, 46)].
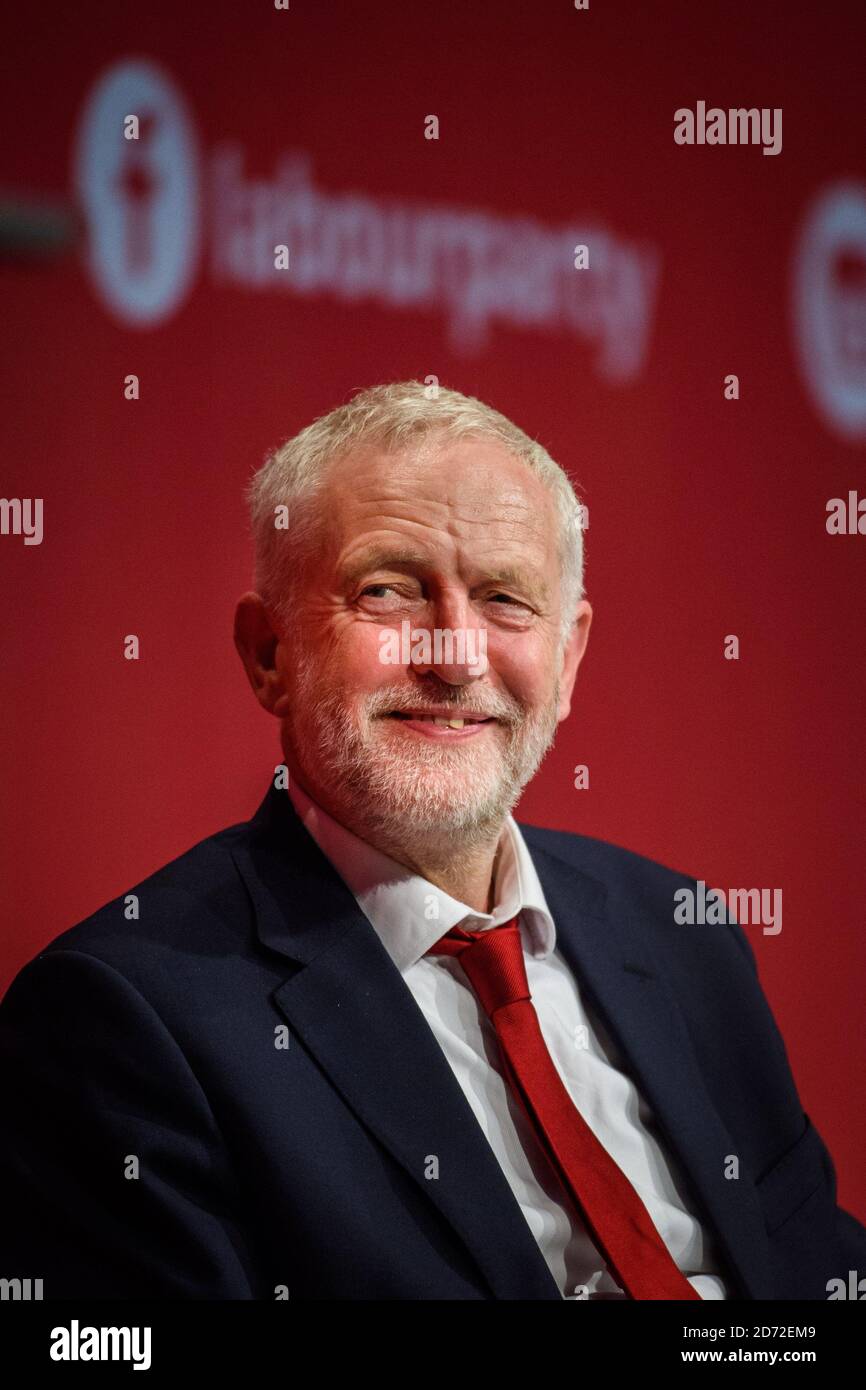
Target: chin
[(437, 803)]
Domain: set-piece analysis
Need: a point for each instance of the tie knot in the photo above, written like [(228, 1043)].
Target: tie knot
[(492, 960)]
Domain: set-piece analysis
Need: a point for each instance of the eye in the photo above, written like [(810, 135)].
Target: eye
[(390, 596), (509, 598)]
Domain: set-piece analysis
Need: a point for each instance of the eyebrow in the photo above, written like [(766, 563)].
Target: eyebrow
[(376, 559)]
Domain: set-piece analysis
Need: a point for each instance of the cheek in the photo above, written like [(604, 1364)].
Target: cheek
[(523, 665), (358, 660)]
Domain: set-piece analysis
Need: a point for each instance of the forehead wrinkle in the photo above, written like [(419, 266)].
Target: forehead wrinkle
[(510, 520), (462, 525), (507, 498), (518, 518), (453, 531)]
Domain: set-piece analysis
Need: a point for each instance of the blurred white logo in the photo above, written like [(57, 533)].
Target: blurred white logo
[(140, 197), (830, 307), (148, 222)]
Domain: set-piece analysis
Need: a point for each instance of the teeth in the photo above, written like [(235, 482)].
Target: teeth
[(454, 723)]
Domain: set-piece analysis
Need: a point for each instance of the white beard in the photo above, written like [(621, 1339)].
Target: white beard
[(410, 789)]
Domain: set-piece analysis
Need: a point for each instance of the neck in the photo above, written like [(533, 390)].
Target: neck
[(463, 869), (467, 874)]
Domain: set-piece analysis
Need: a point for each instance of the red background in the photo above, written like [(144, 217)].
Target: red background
[(706, 516)]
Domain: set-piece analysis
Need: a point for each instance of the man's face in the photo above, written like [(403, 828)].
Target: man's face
[(444, 535)]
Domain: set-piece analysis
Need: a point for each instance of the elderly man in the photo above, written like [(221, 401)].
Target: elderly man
[(382, 1041)]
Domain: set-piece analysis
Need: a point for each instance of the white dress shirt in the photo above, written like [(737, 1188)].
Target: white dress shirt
[(400, 905)]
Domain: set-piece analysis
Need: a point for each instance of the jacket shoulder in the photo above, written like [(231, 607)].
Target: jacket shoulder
[(191, 905), (602, 859), (636, 885)]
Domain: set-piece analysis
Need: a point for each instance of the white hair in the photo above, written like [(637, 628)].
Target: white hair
[(391, 417)]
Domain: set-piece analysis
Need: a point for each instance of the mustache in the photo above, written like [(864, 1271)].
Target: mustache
[(489, 705)]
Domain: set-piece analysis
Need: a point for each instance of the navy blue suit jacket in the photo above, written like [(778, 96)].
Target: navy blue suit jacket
[(304, 1166)]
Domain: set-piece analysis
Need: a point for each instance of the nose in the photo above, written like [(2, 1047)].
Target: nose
[(455, 649)]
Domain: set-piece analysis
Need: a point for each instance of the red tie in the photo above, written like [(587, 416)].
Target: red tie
[(616, 1218)]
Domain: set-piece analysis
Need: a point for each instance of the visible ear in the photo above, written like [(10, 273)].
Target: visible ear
[(257, 642), (572, 657)]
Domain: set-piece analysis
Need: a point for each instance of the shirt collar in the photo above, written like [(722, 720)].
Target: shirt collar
[(400, 904)]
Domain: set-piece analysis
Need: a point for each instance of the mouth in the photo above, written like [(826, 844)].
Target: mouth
[(444, 724)]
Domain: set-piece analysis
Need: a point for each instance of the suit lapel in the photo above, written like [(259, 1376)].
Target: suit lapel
[(349, 1004), (619, 978)]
